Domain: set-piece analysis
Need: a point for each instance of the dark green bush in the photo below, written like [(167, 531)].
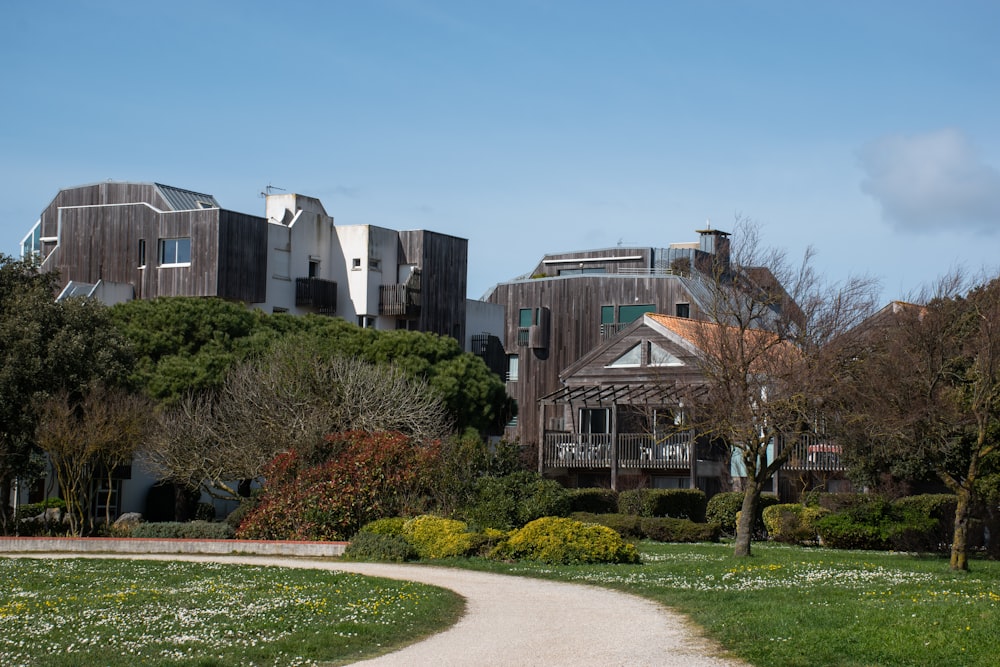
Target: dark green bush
[(938, 506), (666, 529), (875, 523), (676, 503), (565, 541), (32, 510), (792, 523), (626, 525), (242, 511), (205, 512), (191, 530), (722, 509), (381, 547), (514, 500), (595, 501)]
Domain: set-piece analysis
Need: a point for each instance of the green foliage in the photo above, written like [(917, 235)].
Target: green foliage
[(246, 506), (876, 523), (792, 522), (565, 541), (723, 508), (436, 537), (30, 510), (626, 525), (46, 347), (596, 501), (464, 460), (660, 529), (666, 529), (676, 503), (380, 547), (358, 477), (513, 500), (387, 526), (189, 530)]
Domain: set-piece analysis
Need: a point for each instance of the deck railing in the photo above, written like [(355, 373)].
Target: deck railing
[(815, 455), (635, 450)]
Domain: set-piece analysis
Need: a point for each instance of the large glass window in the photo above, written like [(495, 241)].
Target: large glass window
[(607, 314), (595, 420), (175, 251), (628, 314), (526, 317), (513, 366)]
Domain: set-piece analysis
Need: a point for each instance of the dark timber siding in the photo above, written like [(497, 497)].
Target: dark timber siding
[(574, 304), (242, 257), (443, 262)]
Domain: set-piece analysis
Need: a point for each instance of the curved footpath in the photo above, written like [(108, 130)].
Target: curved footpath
[(520, 621)]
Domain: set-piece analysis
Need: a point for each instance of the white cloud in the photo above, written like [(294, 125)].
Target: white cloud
[(932, 181)]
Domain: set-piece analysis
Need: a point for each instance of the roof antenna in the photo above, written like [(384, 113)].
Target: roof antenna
[(269, 190)]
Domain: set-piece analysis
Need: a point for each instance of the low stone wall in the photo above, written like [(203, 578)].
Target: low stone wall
[(142, 545)]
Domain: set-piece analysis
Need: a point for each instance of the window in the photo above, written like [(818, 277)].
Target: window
[(630, 359), (595, 420), (142, 253), (375, 265), (366, 321), (629, 314), (313, 269), (279, 309), (682, 310), (586, 270), (607, 314), (513, 364), (660, 357), (175, 251), (356, 264), (526, 317)]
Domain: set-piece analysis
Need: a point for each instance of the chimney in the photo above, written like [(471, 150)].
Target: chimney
[(715, 242)]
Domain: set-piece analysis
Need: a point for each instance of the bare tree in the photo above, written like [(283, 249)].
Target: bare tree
[(920, 390), (763, 356), (88, 438), (286, 401)]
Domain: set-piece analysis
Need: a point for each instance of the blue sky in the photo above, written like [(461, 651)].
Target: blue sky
[(867, 130)]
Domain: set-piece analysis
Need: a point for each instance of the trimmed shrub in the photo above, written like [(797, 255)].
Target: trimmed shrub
[(594, 501), (31, 510), (666, 529), (436, 537), (723, 509), (875, 523), (558, 540), (626, 525), (938, 506), (386, 526), (676, 503), (190, 530), (381, 547), (514, 500), (242, 511), (792, 522)]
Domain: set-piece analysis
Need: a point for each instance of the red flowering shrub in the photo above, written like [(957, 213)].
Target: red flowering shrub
[(331, 492)]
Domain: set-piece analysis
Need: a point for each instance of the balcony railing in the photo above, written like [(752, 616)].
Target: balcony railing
[(399, 300), (815, 455), (316, 293), (635, 450)]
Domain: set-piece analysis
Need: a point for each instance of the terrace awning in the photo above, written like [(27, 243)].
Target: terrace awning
[(616, 394)]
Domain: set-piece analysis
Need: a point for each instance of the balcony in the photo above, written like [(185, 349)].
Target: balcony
[(400, 300), (812, 455), (635, 450), (316, 293)]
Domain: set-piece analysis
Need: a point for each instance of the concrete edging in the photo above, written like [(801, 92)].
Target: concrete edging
[(149, 545)]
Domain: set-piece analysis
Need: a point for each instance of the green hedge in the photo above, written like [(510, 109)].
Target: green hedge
[(380, 547), (941, 508), (660, 529), (191, 530), (675, 503), (595, 501), (875, 523), (722, 509), (566, 541), (793, 523)]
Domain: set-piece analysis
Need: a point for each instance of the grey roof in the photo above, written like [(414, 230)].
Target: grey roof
[(76, 288), (186, 200)]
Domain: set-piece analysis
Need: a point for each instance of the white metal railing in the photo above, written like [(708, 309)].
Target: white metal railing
[(635, 450), (810, 453)]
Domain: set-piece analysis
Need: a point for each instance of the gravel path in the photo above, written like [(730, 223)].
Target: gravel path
[(521, 621)]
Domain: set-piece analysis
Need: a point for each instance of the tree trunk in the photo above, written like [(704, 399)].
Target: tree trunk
[(748, 514), (960, 539), (5, 492)]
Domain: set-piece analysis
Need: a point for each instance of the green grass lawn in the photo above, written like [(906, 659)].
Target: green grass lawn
[(120, 612), (790, 606)]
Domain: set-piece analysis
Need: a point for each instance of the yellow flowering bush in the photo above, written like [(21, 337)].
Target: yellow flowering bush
[(566, 541), (436, 537)]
